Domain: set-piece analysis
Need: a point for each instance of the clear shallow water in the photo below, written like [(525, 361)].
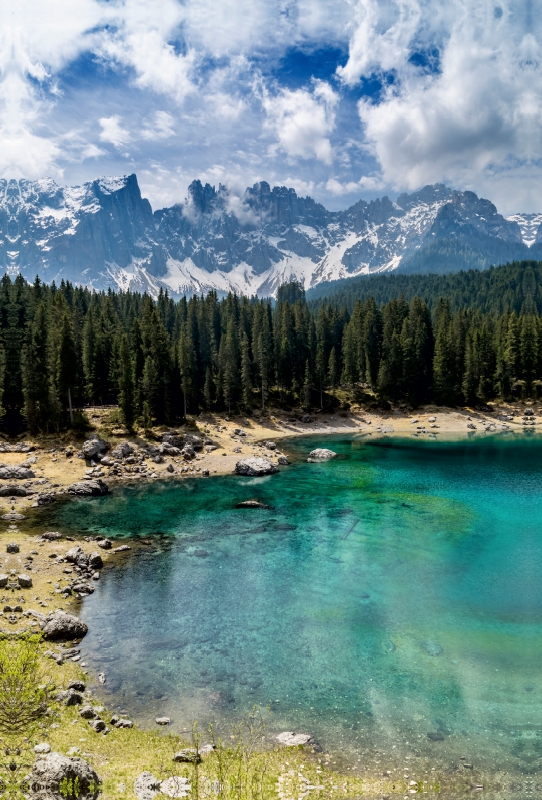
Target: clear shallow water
[(390, 602)]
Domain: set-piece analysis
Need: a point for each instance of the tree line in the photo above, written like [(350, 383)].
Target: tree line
[(159, 360), (496, 290)]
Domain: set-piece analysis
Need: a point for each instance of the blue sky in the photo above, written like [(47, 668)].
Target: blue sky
[(340, 99)]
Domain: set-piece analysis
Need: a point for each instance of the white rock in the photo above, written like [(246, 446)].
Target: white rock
[(322, 454), (176, 786), (42, 749)]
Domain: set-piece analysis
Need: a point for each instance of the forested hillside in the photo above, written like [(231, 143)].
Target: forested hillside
[(495, 290), (66, 346)]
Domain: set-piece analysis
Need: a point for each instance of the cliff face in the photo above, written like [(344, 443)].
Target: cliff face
[(105, 234)]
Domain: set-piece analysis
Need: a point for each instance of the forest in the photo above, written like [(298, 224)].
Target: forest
[(65, 347)]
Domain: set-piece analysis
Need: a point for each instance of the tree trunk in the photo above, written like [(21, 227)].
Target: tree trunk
[(70, 405)]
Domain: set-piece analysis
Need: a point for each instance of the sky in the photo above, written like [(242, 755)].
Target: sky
[(339, 99)]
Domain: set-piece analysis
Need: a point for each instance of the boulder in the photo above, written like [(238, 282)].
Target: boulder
[(105, 544), (59, 777), (283, 461), (146, 786), (251, 504), (92, 447), (24, 581), (44, 499), (174, 440), (188, 452), (255, 466), (61, 626), (15, 473), (321, 454), (69, 697), (87, 712), (169, 450), (12, 547), (94, 488), (195, 441), (122, 450), (4, 580), (95, 561), (76, 555), (51, 536), (270, 445), (13, 491), (162, 720), (79, 686), (188, 756), (42, 749)]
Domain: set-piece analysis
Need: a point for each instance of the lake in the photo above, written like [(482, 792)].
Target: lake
[(389, 602)]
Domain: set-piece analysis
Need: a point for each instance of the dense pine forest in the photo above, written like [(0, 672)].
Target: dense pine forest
[(496, 290), (65, 347)]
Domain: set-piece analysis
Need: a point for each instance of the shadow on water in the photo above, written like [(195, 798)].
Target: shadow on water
[(389, 602)]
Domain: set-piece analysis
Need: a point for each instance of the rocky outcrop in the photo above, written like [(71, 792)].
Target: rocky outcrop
[(55, 777), (92, 447), (255, 466), (63, 627), (94, 488), (121, 450)]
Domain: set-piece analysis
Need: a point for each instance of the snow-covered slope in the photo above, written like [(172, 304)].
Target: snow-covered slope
[(105, 234)]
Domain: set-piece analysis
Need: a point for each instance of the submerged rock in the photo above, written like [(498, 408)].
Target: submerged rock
[(432, 648), (255, 466), (251, 504), (291, 739), (321, 454)]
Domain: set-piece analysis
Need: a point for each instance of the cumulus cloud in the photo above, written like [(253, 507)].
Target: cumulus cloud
[(475, 118), (302, 120), (112, 131)]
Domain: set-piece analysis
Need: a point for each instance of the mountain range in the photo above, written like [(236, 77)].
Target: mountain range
[(105, 234)]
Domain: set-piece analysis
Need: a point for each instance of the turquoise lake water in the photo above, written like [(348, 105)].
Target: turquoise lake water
[(389, 603)]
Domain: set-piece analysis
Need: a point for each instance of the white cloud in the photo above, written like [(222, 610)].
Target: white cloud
[(112, 132), (302, 120), (163, 127), (475, 121)]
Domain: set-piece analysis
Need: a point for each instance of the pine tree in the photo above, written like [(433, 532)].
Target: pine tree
[(126, 387), (332, 369), (246, 372)]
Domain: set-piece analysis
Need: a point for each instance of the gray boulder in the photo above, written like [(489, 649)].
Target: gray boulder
[(59, 777), (321, 454), (4, 580), (76, 555), (69, 697), (174, 440), (121, 450), (44, 499), (255, 466), (194, 441), (24, 581), (169, 450), (15, 473), (95, 561), (105, 544), (92, 447), (270, 445), (94, 488), (291, 739), (61, 626), (188, 452), (283, 461)]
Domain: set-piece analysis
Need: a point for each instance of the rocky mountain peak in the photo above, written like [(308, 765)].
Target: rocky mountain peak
[(104, 233)]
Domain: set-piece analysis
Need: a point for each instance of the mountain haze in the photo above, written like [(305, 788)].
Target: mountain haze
[(104, 234)]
